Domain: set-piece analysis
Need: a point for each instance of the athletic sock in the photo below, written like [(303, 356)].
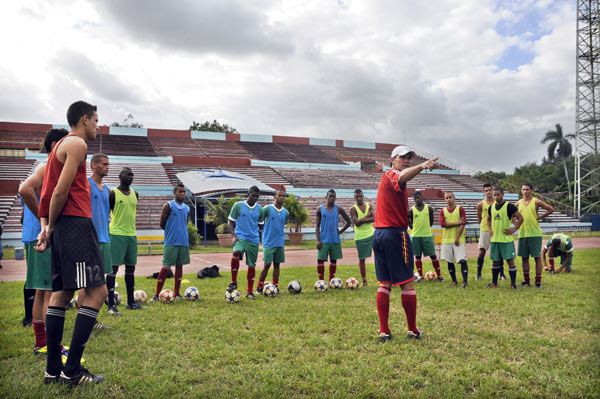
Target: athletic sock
[(260, 284), (363, 268), (436, 266), (332, 269), (162, 276), (551, 261), (276, 281), (409, 303), (235, 266), (178, 275), (512, 272), (39, 331), (321, 270), (55, 324), (130, 283), (480, 260), (383, 309), (28, 298), (110, 285), (419, 265), (464, 269), (526, 272), (495, 273), (84, 323), (452, 271), (250, 278)]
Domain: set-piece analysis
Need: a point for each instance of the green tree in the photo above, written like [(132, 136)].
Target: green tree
[(298, 214), (218, 214), (215, 126), (559, 149), (128, 122)]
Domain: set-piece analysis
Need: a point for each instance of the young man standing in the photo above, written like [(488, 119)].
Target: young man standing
[(530, 233), (362, 217), (420, 220), (244, 220), (500, 217), (328, 235), (123, 239), (276, 217), (559, 245), (173, 220), (484, 233), (66, 221), (453, 220), (391, 244)]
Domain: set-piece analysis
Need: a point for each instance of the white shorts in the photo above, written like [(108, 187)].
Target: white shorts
[(484, 240), (451, 252)]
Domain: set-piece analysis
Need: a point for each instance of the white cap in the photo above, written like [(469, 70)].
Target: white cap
[(402, 150)]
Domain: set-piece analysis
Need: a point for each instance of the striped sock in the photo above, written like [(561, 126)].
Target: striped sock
[(84, 323), (383, 309), (55, 324)]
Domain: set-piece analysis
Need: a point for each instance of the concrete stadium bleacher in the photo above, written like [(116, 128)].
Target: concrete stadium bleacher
[(144, 174), (221, 148), (309, 153), (121, 145), (177, 146), (328, 178), (21, 140)]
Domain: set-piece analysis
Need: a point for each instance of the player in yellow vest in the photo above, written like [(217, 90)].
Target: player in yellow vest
[(420, 220), (530, 233), (123, 238), (453, 220), (500, 217), (362, 217), (484, 233)]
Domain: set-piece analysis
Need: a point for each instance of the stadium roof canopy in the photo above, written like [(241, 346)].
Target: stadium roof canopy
[(212, 182)]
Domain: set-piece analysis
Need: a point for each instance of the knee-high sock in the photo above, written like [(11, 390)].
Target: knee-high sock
[(436, 266), (55, 324), (496, 271), (321, 269), (250, 278), (363, 268), (419, 265), (110, 285), (130, 283), (383, 309), (84, 323), (235, 266), (480, 260), (525, 270), (276, 275), (512, 272), (464, 269), (160, 281), (538, 270), (551, 261), (452, 271), (28, 298), (409, 303), (178, 276), (332, 269), (39, 330)]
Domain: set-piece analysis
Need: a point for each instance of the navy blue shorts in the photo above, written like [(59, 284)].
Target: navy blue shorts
[(393, 256)]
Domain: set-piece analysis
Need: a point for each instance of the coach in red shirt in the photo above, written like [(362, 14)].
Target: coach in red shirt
[(391, 243)]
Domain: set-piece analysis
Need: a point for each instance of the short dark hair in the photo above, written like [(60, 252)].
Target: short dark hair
[(79, 109), (449, 192), (331, 190), (177, 186), (52, 136), (253, 189), (418, 193), (487, 185), (528, 185), (358, 191), (125, 169), (556, 242), (97, 157), (499, 188)]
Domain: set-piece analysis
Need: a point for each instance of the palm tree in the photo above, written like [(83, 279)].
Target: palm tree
[(559, 149), (218, 214)]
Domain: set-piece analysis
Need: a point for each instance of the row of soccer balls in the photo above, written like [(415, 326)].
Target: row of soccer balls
[(140, 296)]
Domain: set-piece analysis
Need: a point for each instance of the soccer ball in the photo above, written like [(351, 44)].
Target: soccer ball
[(321, 286), (336, 283), (430, 275), (270, 290), (117, 299), (139, 296), (417, 276), (352, 283), (232, 296), (166, 296), (191, 293), (73, 303), (294, 287)]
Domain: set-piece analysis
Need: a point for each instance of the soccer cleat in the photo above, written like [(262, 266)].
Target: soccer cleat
[(440, 279), (64, 351), (49, 378), (383, 337), (525, 284), (412, 335), (250, 296), (538, 285), (64, 358), (100, 326), (154, 298), (232, 286), (259, 291), (492, 285), (177, 296), (364, 283), (40, 349), (464, 285), (502, 277), (551, 271), (84, 377), (113, 311), (478, 277), (454, 283), (134, 306), (514, 287), (27, 322)]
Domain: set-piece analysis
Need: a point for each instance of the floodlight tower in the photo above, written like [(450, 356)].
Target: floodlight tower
[(587, 165)]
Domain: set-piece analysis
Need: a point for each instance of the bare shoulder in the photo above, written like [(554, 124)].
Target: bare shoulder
[(73, 146)]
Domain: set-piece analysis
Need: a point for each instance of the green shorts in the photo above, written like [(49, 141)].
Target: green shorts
[(123, 250), (251, 251), (39, 268), (274, 254), (502, 251), (364, 247), (530, 246), (563, 256), (176, 255), (334, 250), (106, 253), (423, 246)]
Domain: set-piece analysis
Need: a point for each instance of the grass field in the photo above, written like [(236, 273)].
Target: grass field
[(479, 342)]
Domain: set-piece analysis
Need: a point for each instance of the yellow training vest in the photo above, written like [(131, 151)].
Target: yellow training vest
[(421, 226), (530, 226), (449, 233), (123, 214), (500, 222), (483, 226), (365, 230)]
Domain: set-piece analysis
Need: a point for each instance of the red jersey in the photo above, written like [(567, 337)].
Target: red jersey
[(392, 201), (78, 200)]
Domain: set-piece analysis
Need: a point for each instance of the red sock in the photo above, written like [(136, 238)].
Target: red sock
[(551, 261), (363, 268), (178, 274), (162, 276), (276, 282), (383, 309), (321, 270), (39, 330), (436, 266), (260, 284), (250, 278), (419, 265), (332, 269), (526, 276), (409, 303), (235, 265), (538, 278)]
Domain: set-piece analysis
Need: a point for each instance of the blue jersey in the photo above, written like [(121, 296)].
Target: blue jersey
[(31, 225), (176, 233), (329, 225), (100, 210), (275, 221), (246, 221)]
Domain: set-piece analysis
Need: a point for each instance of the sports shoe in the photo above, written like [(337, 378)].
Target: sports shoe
[(512, 286), (492, 285), (49, 378), (538, 285), (365, 283), (84, 377), (232, 286), (64, 358), (154, 298), (44, 349), (412, 335), (250, 296), (440, 279), (478, 277), (454, 283), (259, 291), (551, 271), (464, 285), (113, 311), (133, 306), (525, 284), (27, 322), (502, 277), (100, 326), (383, 337), (178, 297)]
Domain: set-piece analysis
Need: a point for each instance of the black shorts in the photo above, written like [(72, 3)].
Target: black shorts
[(394, 263), (76, 259)]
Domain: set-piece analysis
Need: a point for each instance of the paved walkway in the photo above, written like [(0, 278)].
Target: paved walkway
[(15, 270)]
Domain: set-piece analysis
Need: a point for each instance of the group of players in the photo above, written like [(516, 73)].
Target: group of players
[(85, 231)]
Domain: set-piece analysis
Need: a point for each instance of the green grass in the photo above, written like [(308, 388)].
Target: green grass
[(479, 342)]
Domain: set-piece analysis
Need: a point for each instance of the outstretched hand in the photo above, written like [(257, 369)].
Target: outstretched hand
[(431, 164)]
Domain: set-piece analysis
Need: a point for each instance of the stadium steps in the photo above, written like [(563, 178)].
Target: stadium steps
[(224, 149), (177, 147)]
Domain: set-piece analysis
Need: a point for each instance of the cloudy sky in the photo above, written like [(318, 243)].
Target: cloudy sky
[(474, 81)]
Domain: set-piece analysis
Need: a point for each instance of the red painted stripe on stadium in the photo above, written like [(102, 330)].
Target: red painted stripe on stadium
[(24, 127), (210, 161), (170, 133), (291, 140), (232, 137)]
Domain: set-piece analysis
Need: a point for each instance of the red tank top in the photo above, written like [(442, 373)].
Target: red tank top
[(78, 200), (392, 201)]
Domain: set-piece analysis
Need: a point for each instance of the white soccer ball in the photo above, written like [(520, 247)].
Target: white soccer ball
[(270, 290), (117, 299), (352, 283), (166, 296), (232, 296), (430, 276), (73, 303), (336, 283), (417, 276), (294, 287), (321, 286), (191, 293), (139, 296)]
